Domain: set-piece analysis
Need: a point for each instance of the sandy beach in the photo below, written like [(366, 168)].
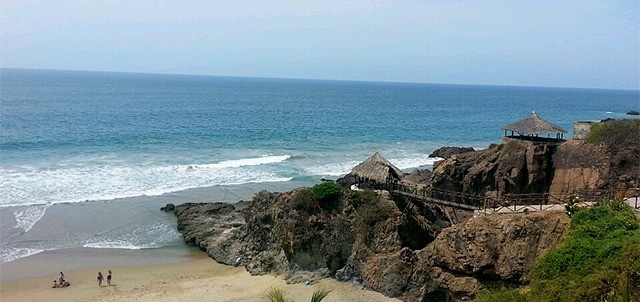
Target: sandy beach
[(198, 278)]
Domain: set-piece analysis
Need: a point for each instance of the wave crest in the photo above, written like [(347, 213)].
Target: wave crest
[(36, 186)]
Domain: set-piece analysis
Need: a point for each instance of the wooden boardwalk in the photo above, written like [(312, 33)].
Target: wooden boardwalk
[(507, 203)]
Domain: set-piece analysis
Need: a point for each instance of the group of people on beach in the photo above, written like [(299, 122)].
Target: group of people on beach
[(60, 282), (100, 278)]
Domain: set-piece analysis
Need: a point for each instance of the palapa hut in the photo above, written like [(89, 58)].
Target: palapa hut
[(378, 169), (531, 127)]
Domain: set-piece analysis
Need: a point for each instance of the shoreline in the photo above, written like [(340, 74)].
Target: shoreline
[(193, 278)]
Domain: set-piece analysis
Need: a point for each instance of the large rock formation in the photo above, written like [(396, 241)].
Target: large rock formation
[(465, 257), (578, 165), (401, 249), (526, 167)]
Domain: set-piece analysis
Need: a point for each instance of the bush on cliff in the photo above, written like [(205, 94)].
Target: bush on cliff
[(327, 193), (599, 260), (615, 133)]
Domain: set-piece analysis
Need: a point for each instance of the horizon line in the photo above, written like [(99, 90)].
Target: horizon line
[(318, 79)]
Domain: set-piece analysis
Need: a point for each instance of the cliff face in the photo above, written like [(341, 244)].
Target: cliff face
[(579, 165), (413, 253), (466, 256), (523, 167)]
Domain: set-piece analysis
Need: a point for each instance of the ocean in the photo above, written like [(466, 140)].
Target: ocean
[(88, 158)]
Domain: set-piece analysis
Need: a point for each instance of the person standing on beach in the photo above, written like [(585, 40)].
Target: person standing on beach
[(109, 278), (100, 279)]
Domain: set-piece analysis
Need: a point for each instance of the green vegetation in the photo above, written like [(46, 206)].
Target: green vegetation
[(328, 195), (319, 295), (276, 295), (599, 260), (501, 295), (615, 133), (360, 198), (327, 191)]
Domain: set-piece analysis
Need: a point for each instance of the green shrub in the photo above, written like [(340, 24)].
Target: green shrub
[(276, 295), (587, 266), (327, 191), (615, 133), (500, 295)]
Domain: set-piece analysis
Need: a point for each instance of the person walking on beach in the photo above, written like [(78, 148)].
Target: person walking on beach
[(109, 278), (100, 279)]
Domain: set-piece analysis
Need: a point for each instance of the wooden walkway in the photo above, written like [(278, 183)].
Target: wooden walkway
[(507, 203)]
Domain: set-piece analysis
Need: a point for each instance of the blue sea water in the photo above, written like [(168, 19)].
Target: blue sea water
[(114, 140)]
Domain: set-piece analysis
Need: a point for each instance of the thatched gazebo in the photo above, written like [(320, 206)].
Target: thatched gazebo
[(378, 169), (531, 127)]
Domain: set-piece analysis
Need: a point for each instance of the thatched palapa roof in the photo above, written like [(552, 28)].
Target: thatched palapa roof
[(377, 168), (534, 124)]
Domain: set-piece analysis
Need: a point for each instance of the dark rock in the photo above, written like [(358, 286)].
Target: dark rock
[(633, 112), (518, 167), (446, 152), (214, 227), (421, 177), (168, 208)]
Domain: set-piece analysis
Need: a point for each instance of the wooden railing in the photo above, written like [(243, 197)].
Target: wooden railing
[(504, 203)]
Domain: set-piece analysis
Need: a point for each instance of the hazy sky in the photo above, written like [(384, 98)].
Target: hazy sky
[(533, 43)]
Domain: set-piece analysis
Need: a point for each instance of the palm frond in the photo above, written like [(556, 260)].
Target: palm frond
[(276, 295), (320, 294)]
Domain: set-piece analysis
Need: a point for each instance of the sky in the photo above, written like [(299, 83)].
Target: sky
[(589, 44)]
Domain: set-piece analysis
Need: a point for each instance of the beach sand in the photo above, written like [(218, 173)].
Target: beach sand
[(197, 278)]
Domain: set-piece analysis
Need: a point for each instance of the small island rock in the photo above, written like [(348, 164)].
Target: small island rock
[(168, 208)]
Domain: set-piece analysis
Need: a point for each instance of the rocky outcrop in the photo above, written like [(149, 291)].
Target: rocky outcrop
[(633, 112), (417, 177), (466, 257), (410, 252), (446, 152), (168, 208), (526, 167), (498, 247), (213, 227)]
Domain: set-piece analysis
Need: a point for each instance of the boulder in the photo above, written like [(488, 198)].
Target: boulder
[(418, 176), (215, 228), (168, 208), (446, 152), (633, 112), (499, 247), (464, 258)]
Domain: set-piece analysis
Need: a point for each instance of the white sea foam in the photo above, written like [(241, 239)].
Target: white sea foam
[(149, 236), (28, 185), (413, 161), (27, 217), (10, 254), (332, 169), (115, 244), (339, 169), (256, 161)]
